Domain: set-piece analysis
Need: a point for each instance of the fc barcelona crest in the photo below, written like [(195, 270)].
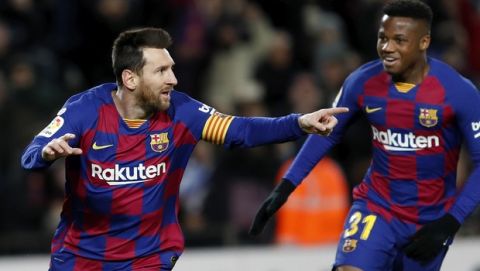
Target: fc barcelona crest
[(159, 142), (428, 117), (349, 245)]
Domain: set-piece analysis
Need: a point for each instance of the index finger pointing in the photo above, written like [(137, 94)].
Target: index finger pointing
[(336, 110), (67, 136)]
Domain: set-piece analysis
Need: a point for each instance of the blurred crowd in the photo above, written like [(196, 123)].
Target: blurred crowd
[(250, 58)]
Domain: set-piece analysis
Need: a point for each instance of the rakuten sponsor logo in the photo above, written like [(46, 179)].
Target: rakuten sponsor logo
[(393, 141), (127, 175)]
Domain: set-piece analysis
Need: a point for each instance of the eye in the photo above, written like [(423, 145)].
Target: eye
[(382, 38), (165, 69), (400, 40)]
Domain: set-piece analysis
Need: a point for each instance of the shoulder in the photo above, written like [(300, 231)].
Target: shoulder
[(84, 105), (371, 73), (366, 72), (451, 79), (179, 97), (182, 105), (95, 95), (182, 100)]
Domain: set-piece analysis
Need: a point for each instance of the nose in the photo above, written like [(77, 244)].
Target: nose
[(172, 79), (387, 46)]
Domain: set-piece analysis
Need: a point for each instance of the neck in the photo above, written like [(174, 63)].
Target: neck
[(415, 74), (127, 106)]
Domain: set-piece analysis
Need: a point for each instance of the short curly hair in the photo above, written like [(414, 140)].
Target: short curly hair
[(409, 8)]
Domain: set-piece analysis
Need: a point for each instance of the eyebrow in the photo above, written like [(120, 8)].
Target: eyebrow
[(162, 67)]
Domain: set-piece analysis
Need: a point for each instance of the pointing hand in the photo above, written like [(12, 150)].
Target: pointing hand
[(59, 147), (321, 121)]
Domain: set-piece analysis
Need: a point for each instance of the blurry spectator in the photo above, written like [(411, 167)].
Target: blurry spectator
[(239, 182), (5, 42), (240, 40), (275, 72), (323, 198), (28, 20), (191, 52), (194, 189)]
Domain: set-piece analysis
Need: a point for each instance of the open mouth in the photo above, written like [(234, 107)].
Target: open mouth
[(165, 93), (389, 61)]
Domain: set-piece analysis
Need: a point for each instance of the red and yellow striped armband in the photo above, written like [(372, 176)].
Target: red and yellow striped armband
[(216, 128)]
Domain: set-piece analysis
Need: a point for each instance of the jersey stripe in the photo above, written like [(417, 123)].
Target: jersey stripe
[(134, 123), (404, 87)]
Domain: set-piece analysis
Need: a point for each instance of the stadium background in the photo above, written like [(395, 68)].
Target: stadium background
[(244, 57)]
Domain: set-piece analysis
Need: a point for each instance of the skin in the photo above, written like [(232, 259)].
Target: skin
[(148, 91), (402, 46)]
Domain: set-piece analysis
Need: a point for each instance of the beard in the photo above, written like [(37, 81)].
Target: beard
[(152, 101)]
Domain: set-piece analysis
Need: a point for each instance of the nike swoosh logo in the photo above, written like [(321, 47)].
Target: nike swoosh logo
[(101, 147), (371, 110)]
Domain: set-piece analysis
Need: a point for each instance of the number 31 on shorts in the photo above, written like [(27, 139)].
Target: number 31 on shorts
[(357, 221)]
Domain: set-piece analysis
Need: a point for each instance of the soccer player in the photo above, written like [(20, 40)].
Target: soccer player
[(127, 146), (406, 210)]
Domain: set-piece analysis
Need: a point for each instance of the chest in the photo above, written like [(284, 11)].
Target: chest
[(423, 107), (130, 147)]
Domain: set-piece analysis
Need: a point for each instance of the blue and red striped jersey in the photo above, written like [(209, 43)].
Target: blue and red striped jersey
[(121, 194), (417, 133)]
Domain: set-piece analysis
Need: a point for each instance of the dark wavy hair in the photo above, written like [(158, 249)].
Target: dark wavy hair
[(127, 48)]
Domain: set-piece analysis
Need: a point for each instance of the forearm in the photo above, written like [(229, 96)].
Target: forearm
[(32, 157), (312, 151), (469, 197), (251, 132)]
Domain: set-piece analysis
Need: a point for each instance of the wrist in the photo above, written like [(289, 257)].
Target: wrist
[(301, 122), (451, 223), (285, 188)]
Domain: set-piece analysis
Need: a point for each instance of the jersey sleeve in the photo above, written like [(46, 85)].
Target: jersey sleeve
[(196, 116), (315, 147), (246, 132), (209, 125), (468, 120), (66, 121)]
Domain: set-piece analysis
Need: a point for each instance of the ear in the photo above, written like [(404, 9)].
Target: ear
[(129, 79), (425, 42)]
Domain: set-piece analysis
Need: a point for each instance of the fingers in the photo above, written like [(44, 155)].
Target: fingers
[(422, 249), (59, 147), (324, 126), (410, 249), (261, 218), (330, 122), (322, 121), (258, 223), (335, 110), (67, 137)]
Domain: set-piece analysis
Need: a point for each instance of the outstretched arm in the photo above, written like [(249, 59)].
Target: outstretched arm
[(250, 132)]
